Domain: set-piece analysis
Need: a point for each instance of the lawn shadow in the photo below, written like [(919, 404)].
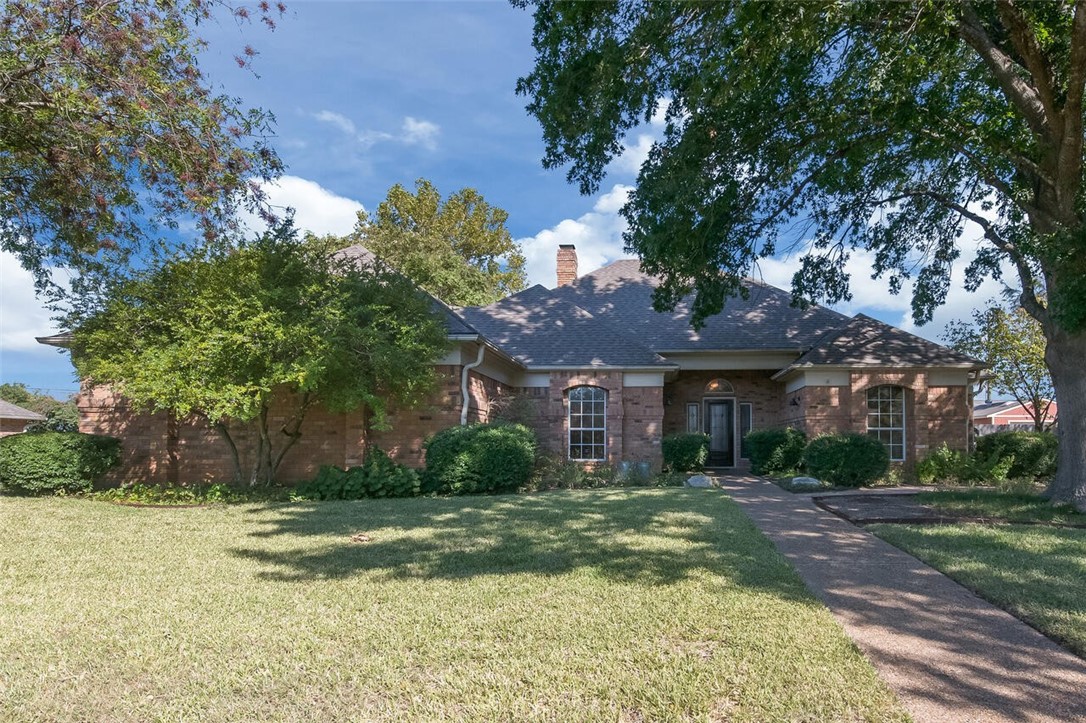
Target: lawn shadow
[(654, 537)]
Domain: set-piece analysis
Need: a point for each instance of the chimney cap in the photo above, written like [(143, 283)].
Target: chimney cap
[(567, 246)]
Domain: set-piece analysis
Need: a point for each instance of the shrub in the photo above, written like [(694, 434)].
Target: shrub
[(1035, 453), (56, 461), (775, 451), (846, 460), (685, 452), (944, 465), (378, 476), (479, 458)]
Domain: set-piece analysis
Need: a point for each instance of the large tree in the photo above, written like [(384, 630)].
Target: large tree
[(221, 337), (1013, 343), (831, 126), (109, 129), (458, 249)]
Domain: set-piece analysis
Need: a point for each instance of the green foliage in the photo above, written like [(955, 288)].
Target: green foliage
[(1013, 344), (775, 451), (109, 129), (685, 452), (59, 416), (457, 249), (378, 476), (180, 495), (1032, 454), (218, 336), (479, 458), (846, 460), (55, 461), (944, 466)]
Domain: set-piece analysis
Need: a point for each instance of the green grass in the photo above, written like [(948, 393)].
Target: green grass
[(996, 504), (568, 606), (1036, 573)]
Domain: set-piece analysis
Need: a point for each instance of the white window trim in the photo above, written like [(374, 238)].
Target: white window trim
[(904, 422), (570, 429)]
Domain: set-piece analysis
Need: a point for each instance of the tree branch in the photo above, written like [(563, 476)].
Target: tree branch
[(1025, 43), (1017, 90)]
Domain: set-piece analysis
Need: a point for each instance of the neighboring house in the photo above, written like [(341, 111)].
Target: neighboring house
[(602, 377), (14, 419), (990, 417)]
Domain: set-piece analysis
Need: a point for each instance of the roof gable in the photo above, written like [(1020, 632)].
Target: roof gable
[(865, 341), (14, 411)]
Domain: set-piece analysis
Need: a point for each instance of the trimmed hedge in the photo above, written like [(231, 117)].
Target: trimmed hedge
[(685, 452), (847, 460), (378, 476), (479, 458), (43, 462), (775, 451), (1035, 453)]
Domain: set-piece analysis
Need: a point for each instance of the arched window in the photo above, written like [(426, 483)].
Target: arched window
[(587, 424), (886, 418), (719, 386)]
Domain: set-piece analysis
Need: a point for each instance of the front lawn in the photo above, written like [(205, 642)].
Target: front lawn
[(1000, 505), (1037, 573), (598, 605)]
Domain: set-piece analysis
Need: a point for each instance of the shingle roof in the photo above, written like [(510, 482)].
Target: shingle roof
[(621, 293), (13, 411), (986, 409), (864, 341), (539, 329)]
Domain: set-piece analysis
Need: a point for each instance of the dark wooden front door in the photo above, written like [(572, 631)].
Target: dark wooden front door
[(720, 426)]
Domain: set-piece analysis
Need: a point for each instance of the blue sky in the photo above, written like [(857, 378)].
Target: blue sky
[(369, 94)]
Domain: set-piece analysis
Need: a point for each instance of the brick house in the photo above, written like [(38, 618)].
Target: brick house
[(602, 377), (14, 419), (993, 416)]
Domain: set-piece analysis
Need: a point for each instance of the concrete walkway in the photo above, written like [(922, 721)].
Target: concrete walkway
[(948, 655)]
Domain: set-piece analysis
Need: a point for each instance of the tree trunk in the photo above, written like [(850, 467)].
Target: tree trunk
[(224, 432), (1066, 359)]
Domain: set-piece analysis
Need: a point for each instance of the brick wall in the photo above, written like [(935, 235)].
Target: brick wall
[(12, 426)]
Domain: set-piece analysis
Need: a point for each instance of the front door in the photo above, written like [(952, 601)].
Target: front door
[(720, 426)]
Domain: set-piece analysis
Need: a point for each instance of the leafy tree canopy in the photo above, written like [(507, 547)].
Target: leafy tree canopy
[(1013, 343), (827, 126), (221, 336), (109, 128), (457, 249)]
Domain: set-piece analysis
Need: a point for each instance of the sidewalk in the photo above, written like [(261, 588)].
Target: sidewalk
[(949, 655)]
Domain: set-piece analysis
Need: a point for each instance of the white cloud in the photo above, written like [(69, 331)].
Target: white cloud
[(596, 234), (316, 208), (634, 156), (412, 132), (420, 132), (339, 121), (873, 297), (22, 315)]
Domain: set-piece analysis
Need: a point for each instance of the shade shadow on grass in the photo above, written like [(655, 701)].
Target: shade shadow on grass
[(654, 537)]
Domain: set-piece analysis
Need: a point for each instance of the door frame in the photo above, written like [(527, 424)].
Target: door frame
[(733, 401)]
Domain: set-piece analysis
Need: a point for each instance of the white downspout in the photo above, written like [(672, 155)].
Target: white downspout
[(464, 385)]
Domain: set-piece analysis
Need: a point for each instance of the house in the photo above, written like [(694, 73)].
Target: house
[(602, 378), (993, 416), (14, 419)]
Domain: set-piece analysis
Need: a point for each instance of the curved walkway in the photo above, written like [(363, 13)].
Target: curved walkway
[(948, 654)]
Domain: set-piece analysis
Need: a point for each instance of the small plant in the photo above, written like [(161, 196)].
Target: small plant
[(50, 462), (685, 452), (378, 476), (1035, 453), (479, 458), (775, 451), (847, 460), (199, 494), (944, 465)]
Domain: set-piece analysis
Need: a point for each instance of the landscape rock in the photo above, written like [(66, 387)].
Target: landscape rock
[(699, 480), (809, 482)]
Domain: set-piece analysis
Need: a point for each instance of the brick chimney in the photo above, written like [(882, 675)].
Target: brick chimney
[(567, 264)]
